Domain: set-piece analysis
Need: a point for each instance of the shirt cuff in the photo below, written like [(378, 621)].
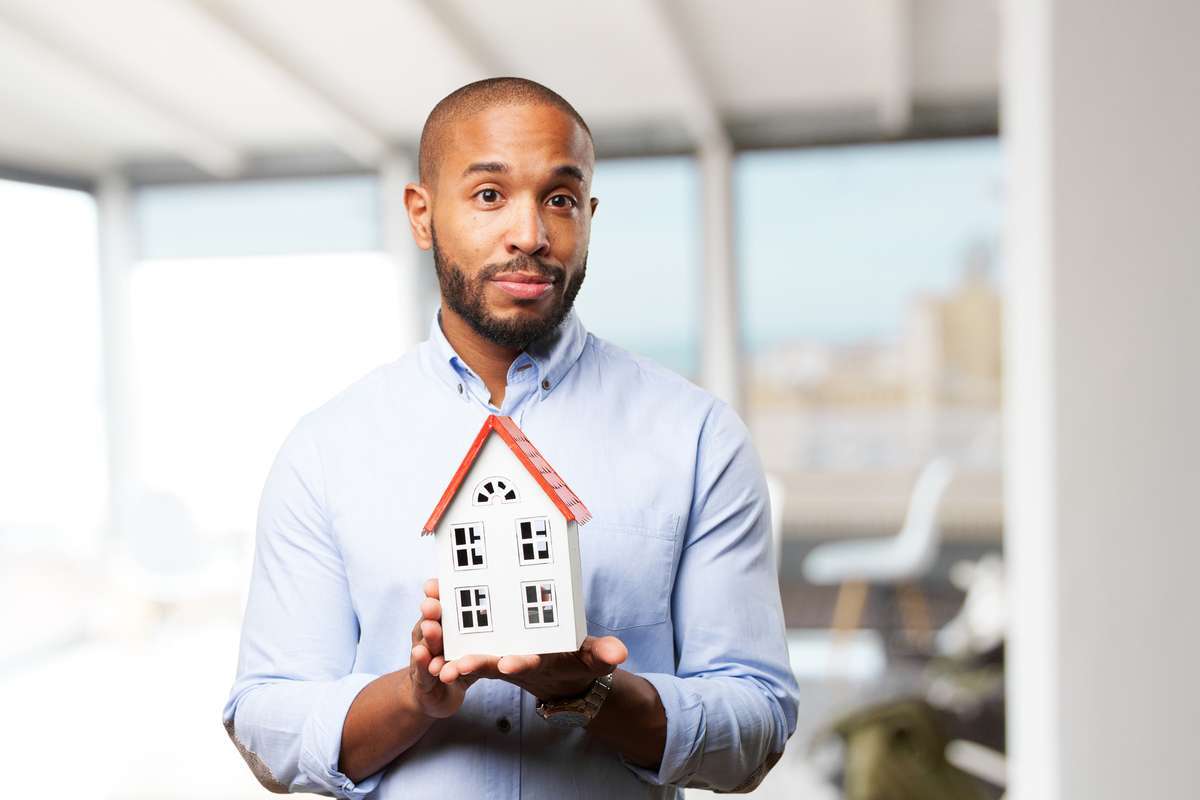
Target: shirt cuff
[(321, 741), (685, 731)]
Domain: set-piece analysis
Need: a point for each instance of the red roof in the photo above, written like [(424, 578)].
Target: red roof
[(554, 486)]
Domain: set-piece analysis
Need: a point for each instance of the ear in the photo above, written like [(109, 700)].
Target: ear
[(595, 202), (419, 205)]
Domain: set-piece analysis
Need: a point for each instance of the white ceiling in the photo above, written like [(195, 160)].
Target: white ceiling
[(218, 85)]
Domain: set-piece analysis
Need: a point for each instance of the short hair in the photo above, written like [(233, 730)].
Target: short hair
[(475, 97)]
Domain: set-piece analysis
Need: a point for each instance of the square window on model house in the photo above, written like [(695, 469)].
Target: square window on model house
[(541, 606), (468, 546), (533, 540), (474, 609)]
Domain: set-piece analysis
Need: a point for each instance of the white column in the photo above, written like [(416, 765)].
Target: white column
[(1101, 124), (720, 357), (117, 234), (417, 286)]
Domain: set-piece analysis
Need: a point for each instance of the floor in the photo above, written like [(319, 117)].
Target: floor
[(109, 699)]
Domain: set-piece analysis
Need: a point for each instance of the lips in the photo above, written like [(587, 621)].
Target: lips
[(523, 285)]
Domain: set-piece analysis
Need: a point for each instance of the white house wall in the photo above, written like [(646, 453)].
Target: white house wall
[(503, 573)]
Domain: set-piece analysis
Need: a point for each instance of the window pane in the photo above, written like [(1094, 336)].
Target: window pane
[(533, 615), (870, 290), (464, 597), (262, 217), (53, 472), (530, 594), (230, 353), (646, 236), (548, 613), (467, 622)]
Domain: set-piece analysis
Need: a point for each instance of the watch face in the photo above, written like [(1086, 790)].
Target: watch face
[(567, 719)]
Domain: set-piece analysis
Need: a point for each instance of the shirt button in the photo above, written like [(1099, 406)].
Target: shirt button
[(504, 725), (546, 384), (460, 388)]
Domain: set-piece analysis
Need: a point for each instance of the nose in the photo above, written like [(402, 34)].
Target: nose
[(526, 231)]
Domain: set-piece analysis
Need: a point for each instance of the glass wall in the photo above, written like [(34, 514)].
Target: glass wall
[(52, 462), (642, 290), (870, 292)]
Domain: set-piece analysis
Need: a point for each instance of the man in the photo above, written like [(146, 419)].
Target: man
[(685, 678)]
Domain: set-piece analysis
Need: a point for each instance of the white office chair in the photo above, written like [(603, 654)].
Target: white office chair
[(900, 560)]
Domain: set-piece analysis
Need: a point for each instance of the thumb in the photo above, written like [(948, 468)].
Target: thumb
[(602, 654)]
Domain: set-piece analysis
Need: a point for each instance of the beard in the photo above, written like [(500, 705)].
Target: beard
[(466, 297)]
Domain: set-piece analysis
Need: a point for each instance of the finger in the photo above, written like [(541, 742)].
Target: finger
[(431, 609), (449, 672), (431, 589), (436, 664), (515, 665), (479, 665), (416, 633), (432, 633), (602, 654), (420, 664)]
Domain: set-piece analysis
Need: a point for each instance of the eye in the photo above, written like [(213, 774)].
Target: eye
[(571, 202), (488, 195)]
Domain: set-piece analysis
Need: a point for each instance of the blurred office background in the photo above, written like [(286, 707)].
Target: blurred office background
[(201, 239)]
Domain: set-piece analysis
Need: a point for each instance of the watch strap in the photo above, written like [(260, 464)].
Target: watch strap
[(588, 704)]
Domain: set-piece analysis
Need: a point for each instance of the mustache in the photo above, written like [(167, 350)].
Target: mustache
[(524, 263)]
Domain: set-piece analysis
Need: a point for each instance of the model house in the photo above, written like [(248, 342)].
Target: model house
[(507, 531)]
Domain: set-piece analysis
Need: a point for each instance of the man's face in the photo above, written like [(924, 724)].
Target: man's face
[(511, 220)]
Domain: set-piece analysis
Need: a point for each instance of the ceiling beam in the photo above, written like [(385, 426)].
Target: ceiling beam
[(189, 138), (699, 110), (475, 50), (348, 130)]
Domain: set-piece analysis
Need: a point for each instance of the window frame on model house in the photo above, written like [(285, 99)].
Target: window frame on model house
[(539, 605), (534, 539), (471, 548), (473, 608), (493, 495)]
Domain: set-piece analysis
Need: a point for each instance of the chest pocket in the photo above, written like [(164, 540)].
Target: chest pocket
[(628, 560)]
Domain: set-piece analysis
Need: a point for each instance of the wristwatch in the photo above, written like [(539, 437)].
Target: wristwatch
[(577, 712)]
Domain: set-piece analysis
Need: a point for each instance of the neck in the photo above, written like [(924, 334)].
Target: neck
[(488, 360)]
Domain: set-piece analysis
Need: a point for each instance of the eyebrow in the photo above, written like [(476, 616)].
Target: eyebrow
[(485, 166), (563, 170)]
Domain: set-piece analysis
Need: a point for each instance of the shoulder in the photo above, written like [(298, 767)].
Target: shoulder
[(645, 377), (659, 389)]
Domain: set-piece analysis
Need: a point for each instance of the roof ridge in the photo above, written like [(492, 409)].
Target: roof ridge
[(530, 457)]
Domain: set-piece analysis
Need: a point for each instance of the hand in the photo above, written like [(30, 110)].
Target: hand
[(433, 697), (546, 677)]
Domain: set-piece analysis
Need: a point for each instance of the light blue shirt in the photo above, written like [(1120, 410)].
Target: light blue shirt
[(676, 560)]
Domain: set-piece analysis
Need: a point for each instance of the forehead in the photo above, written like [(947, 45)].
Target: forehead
[(528, 138)]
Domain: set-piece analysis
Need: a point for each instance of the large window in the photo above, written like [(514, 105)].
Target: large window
[(870, 291), (643, 282), (53, 475), (255, 302)]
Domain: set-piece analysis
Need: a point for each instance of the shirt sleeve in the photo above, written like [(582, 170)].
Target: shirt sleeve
[(731, 704), (295, 679)]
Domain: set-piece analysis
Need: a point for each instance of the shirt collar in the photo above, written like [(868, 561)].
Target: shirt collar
[(553, 355)]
